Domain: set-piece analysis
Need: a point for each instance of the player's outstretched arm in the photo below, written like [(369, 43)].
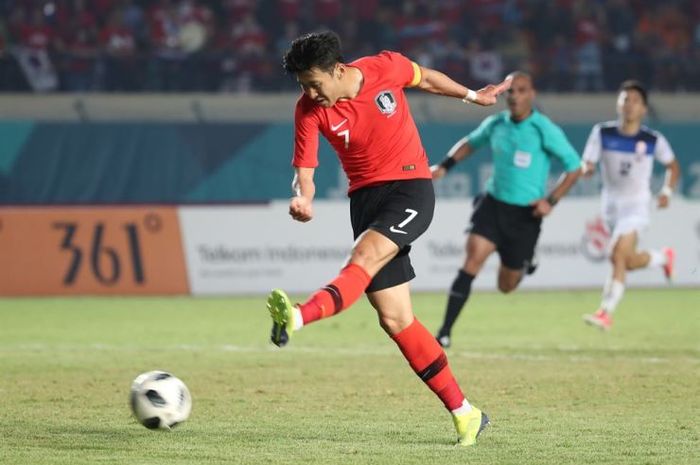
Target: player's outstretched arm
[(435, 82), (301, 205)]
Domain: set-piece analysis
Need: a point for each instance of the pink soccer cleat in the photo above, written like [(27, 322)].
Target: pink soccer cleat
[(600, 319), (670, 262)]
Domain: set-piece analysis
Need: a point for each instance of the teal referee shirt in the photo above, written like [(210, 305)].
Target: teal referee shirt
[(522, 154)]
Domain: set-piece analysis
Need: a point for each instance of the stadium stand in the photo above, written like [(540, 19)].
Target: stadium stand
[(235, 45)]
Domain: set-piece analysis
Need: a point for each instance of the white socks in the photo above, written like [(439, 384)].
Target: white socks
[(612, 294), (656, 258), (614, 290), (298, 319), (465, 408)]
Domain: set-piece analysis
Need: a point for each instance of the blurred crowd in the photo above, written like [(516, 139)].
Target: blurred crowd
[(236, 45)]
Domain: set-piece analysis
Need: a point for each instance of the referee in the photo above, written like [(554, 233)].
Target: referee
[(507, 219)]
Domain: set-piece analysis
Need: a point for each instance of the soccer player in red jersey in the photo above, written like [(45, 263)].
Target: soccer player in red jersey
[(361, 109)]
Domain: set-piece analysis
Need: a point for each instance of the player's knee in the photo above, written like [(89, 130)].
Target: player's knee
[(506, 286), (364, 256), (394, 324), (619, 259), (472, 266)]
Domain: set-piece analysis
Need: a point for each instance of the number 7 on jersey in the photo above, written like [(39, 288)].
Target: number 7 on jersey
[(345, 133)]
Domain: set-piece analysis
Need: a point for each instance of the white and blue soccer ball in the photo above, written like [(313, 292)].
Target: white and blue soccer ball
[(159, 400)]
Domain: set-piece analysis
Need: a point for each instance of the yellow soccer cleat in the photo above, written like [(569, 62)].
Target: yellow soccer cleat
[(469, 425), (282, 313)]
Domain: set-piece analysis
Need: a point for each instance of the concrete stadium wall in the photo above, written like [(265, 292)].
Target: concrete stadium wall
[(569, 108)]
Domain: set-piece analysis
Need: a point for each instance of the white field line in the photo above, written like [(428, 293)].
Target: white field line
[(568, 353)]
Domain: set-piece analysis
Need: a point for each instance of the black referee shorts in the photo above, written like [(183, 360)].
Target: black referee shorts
[(513, 229), (401, 211)]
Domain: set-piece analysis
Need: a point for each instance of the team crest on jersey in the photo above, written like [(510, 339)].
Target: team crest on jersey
[(640, 148), (386, 102)]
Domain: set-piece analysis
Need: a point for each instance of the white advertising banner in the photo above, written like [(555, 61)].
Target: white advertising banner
[(252, 249), (571, 248)]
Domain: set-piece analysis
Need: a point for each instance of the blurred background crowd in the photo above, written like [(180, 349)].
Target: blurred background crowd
[(236, 45)]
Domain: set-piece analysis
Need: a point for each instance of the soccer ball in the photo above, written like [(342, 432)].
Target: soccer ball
[(159, 400)]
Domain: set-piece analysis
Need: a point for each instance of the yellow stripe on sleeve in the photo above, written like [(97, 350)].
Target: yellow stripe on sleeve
[(416, 75)]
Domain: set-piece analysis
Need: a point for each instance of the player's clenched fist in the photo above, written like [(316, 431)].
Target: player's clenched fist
[(437, 171), (301, 209)]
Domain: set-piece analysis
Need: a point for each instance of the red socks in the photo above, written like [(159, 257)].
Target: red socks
[(429, 361), (342, 292), (417, 344)]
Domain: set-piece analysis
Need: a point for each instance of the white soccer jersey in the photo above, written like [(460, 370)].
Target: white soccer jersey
[(626, 162), (626, 165)]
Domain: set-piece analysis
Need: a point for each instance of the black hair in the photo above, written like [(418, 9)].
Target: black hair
[(522, 74), (315, 50), (632, 84)]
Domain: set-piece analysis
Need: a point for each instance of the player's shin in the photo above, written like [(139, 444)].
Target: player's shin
[(613, 297), (336, 296), (429, 361), (459, 294)]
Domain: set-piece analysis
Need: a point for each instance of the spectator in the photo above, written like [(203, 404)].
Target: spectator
[(588, 56), (122, 70), (328, 12), (37, 40), (79, 56), (10, 75), (485, 65), (289, 10), (560, 58), (621, 20), (246, 45), (133, 18), (207, 45)]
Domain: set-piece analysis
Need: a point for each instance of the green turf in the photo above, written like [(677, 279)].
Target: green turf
[(558, 392)]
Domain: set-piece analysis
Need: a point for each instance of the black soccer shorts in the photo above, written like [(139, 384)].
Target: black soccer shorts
[(513, 229), (401, 211)]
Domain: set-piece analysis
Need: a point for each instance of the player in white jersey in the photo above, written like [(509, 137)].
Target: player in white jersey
[(626, 151)]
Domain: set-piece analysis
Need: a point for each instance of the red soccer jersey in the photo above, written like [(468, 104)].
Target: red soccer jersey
[(373, 134)]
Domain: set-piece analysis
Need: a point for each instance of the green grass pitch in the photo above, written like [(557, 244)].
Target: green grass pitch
[(557, 391)]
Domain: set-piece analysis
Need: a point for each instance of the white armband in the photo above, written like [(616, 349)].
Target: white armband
[(470, 97), (666, 190)]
